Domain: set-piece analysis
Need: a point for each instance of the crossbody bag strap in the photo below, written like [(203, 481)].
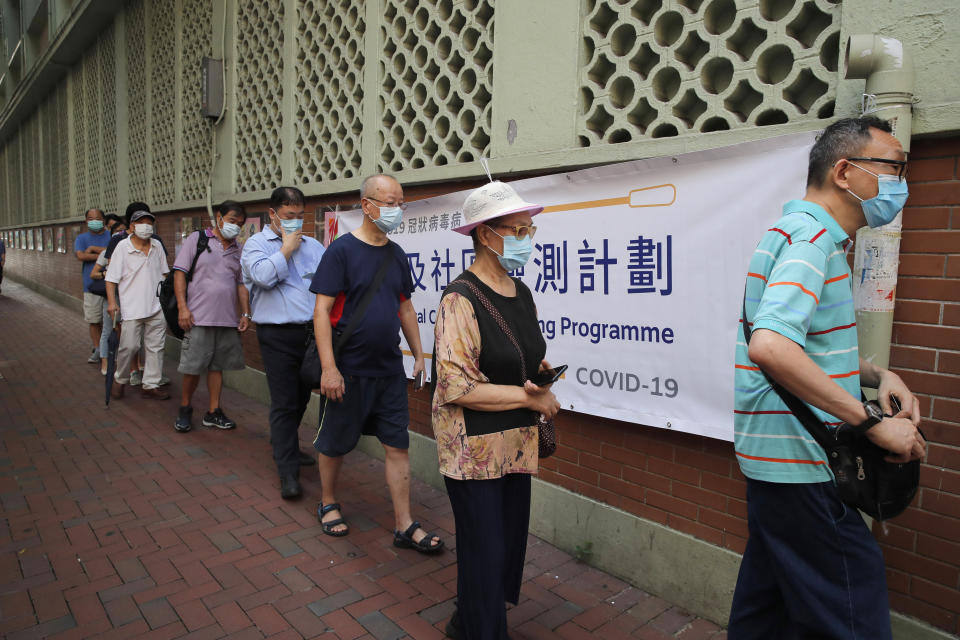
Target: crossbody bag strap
[(498, 317), (371, 291), (798, 407)]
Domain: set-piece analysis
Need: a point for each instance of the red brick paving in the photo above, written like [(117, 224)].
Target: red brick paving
[(115, 526)]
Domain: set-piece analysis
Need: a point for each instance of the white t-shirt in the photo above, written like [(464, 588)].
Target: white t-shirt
[(137, 275)]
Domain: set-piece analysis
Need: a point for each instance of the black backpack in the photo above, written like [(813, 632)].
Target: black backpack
[(167, 294)]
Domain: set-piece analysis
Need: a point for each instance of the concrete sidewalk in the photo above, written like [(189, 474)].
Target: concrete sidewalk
[(115, 526)]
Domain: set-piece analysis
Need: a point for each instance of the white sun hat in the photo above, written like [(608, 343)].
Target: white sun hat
[(493, 200)]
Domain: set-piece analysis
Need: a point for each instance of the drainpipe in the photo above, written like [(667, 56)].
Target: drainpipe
[(888, 94)]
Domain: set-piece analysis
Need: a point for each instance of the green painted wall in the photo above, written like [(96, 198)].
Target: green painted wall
[(108, 111)]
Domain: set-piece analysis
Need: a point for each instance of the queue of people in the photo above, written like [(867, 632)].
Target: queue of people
[(811, 567)]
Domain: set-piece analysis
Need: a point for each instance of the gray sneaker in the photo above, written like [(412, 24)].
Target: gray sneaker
[(164, 380), (136, 378), (183, 419), (94, 356)]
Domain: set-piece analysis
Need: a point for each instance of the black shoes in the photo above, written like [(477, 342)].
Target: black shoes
[(306, 460), (290, 487), (183, 419), (452, 629), (218, 419)]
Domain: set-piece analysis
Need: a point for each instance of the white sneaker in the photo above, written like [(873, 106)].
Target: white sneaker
[(136, 378), (94, 356)]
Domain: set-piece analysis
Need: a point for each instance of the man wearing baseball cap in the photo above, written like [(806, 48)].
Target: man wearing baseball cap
[(137, 266)]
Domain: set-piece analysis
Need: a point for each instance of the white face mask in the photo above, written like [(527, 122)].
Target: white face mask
[(230, 230), (143, 231)]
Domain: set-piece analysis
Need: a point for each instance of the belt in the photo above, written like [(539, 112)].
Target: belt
[(288, 325)]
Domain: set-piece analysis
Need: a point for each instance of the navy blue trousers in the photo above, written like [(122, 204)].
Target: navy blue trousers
[(811, 569), (492, 518), (282, 347)]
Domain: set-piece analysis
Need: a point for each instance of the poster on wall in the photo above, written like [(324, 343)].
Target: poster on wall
[(30, 243), (39, 233), (48, 238), (637, 271), (73, 231), (336, 223), (253, 225), (188, 225), (61, 244)]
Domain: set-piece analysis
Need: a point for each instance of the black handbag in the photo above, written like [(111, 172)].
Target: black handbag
[(310, 369), (167, 293), (864, 479), (98, 287), (546, 431)]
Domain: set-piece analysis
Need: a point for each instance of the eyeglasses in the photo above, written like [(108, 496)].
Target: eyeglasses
[(521, 231), (403, 205), (901, 165)]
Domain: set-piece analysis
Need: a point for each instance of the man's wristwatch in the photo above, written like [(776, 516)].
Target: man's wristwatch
[(247, 316), (874, 415)]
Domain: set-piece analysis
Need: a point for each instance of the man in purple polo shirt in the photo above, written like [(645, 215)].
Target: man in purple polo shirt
[(214, 308)]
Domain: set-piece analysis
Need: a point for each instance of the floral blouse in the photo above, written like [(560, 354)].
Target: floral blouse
[(456, 356)]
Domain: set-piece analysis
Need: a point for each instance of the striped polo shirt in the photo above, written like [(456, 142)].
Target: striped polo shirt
[(799, 285)]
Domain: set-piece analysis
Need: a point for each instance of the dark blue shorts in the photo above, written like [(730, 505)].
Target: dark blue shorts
[(811, 569), (371, 407)]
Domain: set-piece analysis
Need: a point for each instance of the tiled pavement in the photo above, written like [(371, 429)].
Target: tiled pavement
[(115, 526)]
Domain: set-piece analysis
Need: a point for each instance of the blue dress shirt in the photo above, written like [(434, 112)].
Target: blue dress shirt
[(280, 288)]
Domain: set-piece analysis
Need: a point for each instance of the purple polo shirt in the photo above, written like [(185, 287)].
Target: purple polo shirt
[(212, 294)]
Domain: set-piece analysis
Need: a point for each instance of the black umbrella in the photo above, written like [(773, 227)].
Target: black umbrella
[(112, 343)]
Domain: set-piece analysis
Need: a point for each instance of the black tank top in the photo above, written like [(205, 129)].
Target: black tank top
[(499, 360)]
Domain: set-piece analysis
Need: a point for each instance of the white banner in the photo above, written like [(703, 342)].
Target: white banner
[(638, 273)]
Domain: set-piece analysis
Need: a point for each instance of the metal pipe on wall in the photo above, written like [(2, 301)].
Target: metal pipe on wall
[(888, 69)]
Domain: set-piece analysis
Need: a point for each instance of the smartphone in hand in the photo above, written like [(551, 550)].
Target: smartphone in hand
[(548, 376), (418, 382)]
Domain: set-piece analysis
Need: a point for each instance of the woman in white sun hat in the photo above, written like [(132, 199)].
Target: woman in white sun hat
[(485, 409)]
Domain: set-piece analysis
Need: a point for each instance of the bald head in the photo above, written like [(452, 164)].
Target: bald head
[(377, 185)]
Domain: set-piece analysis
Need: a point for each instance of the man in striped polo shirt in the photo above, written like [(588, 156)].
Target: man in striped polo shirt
[(811, 567)]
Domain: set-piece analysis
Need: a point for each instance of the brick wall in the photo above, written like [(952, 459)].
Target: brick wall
[(693, 484), (922, 547)]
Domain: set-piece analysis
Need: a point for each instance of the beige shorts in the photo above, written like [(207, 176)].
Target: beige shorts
[(93, 308), (210, 349)]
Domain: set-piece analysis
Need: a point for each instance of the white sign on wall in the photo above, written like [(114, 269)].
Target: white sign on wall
[(637, 271)]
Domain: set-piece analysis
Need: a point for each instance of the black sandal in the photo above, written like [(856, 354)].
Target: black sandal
[(327, 527), (405, 540)]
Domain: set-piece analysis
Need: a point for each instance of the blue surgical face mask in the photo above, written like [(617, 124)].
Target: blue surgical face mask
[(291, 226), (389, 219), (95, 225), (516, 251), (891, 195)]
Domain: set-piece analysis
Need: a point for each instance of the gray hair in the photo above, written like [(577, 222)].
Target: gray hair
[(842, 139)]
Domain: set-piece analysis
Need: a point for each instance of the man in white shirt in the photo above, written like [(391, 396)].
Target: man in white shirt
[(137, 266)]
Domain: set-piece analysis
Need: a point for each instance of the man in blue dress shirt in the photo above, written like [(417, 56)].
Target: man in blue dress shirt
[(278, 266)]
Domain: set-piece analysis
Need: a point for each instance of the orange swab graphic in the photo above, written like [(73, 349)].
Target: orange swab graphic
[(661, 195)]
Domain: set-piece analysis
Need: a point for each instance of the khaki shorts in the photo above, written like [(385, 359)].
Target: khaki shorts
[(93, 308), (210, 349)]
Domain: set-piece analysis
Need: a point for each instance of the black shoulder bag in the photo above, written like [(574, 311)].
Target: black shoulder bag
[(167, 293), (310, 370), (546, 431), (865, 480)]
